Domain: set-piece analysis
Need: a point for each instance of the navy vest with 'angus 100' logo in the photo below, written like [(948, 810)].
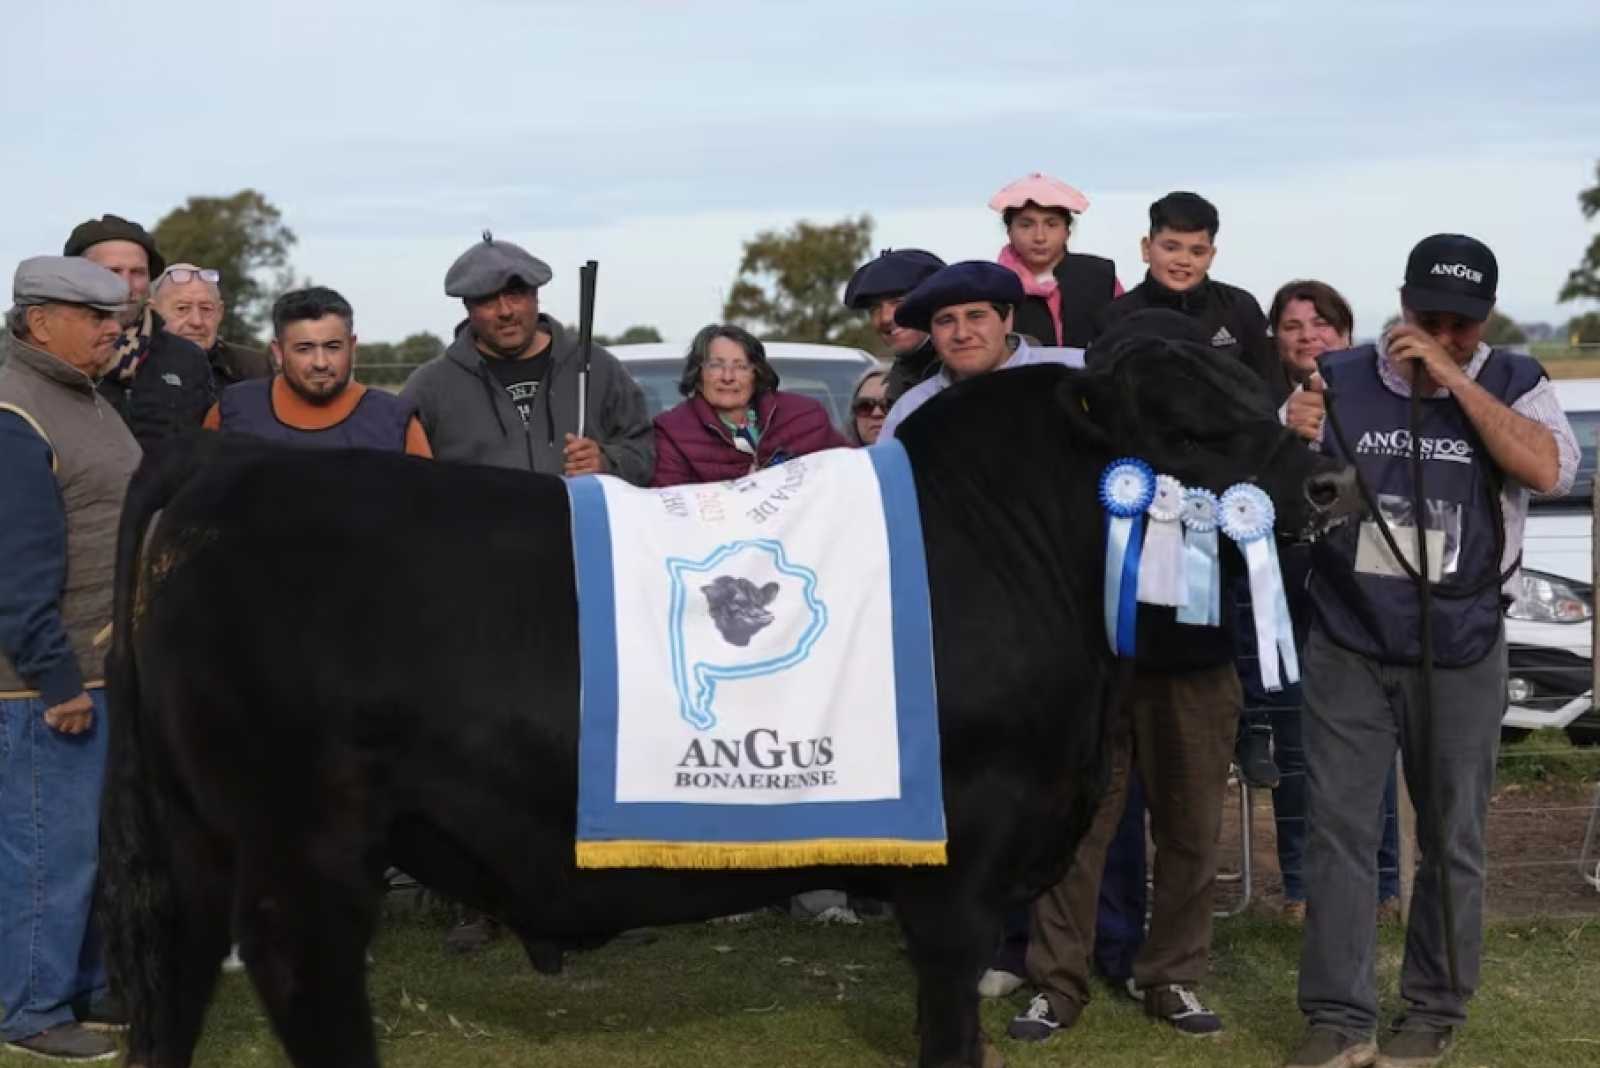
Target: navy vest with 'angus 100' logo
[(378, 421), (1360, 597)]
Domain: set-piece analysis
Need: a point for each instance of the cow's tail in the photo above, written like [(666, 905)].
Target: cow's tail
[(139, 912)]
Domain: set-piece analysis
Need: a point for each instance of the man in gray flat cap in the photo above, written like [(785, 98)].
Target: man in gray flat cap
[(505, 393), (64, 467)]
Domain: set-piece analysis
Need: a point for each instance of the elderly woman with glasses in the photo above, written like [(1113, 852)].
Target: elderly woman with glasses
[(869, 404), (734, 420)]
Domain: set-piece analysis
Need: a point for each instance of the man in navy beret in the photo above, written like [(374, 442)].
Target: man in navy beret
[(965, 309), (877, 288)]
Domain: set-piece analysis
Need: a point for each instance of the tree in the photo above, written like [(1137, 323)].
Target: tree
[(1584, 330), (789, 283), (1583, 282), (381, 363), (1501, 330), (634, 335), (242, 236)]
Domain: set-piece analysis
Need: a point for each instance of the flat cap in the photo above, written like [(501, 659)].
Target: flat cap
[(967, 282), (489, 266), (895, 272), (114, 228), (67, 280)]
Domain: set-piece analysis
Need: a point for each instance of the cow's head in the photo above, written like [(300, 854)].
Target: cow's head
[(1207, 421), (739, 607)]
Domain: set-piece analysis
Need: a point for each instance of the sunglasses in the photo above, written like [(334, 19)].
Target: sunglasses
[(868, 405), (182, 275)]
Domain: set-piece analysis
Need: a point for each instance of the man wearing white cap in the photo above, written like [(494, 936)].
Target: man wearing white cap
[(64, 468)]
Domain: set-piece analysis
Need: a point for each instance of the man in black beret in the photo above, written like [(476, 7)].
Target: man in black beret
[(966, 309), (159, 383), (877, 288)]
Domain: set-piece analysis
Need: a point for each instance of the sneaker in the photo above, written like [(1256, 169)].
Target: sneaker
[(69, 1042), (472, 934), (105, 1013), (1294, 912), (998, 983), (1179, 1006), (1038, 1021), (232, 964), (1406, 1046), (1131, 988), (1254, 757), (1323, 1047), (1389, 910)]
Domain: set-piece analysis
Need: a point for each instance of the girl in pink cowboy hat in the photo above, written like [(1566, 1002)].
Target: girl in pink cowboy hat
[(1065, 290)]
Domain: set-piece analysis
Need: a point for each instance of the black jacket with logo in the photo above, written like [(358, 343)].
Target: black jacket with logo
[(171, 391), (1232, 318)]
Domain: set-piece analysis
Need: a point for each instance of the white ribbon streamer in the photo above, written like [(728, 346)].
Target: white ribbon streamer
[(1162, 579), (1203, 608), (1247, 517)]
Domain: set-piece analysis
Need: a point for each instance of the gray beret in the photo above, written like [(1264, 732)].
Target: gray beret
[(68, 280), (489, 266)]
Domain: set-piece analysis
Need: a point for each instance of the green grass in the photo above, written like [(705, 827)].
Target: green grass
[(1547, 757), (775, 992)]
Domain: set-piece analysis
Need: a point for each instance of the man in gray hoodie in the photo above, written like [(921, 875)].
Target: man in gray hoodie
[(505, 393)]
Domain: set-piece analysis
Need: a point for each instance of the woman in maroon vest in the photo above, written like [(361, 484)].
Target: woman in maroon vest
[(734, 419), (1066, 291)]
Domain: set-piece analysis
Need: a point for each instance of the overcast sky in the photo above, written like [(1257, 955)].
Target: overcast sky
[(656, 136)]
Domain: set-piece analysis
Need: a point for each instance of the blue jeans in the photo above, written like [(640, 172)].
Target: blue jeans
[(49, 848)]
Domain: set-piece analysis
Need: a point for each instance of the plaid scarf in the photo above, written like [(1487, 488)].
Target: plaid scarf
[(132, 346)]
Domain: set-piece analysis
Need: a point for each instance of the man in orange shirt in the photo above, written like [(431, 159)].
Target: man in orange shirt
[(312, 400)]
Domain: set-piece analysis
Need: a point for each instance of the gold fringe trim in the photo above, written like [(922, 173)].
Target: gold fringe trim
[(812, 852)]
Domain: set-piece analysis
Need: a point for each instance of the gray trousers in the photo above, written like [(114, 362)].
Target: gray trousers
[(1356, 712)]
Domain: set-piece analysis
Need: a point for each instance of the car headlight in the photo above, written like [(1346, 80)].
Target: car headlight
[(1545, 598)]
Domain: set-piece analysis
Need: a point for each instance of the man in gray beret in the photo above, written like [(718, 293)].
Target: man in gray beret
[(64, 467), (505, 392)]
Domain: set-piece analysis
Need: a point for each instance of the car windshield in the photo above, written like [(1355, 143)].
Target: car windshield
[(828, 381)]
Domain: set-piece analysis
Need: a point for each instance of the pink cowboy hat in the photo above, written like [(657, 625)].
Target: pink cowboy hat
[(1043, 190)]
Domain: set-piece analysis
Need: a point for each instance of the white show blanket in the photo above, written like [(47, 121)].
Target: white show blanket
[(757, 669)]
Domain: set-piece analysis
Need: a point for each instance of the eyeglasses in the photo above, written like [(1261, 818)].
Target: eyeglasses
[(868, 405), (716, 367), (182, 275)]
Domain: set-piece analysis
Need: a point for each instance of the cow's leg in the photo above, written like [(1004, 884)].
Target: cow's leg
[(950, 936), (304, 926)]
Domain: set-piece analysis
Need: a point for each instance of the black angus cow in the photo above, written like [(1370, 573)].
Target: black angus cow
[(325, 664)]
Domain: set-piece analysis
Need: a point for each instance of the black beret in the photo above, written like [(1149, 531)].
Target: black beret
[(967, 282), (896, 271), (114, 228)]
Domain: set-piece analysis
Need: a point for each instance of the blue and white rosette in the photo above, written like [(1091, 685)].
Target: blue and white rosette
[(1161, 575), (1247, 516), (1126, 489), (1203, 606)]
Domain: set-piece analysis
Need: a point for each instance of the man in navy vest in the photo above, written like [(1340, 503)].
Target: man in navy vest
[(313, 399), (1490, 433)]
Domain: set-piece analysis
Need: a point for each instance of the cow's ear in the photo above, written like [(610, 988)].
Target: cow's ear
[(768, 593), (1086, 399)]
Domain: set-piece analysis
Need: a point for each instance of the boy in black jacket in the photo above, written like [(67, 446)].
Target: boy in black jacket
[(1179, 251)]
